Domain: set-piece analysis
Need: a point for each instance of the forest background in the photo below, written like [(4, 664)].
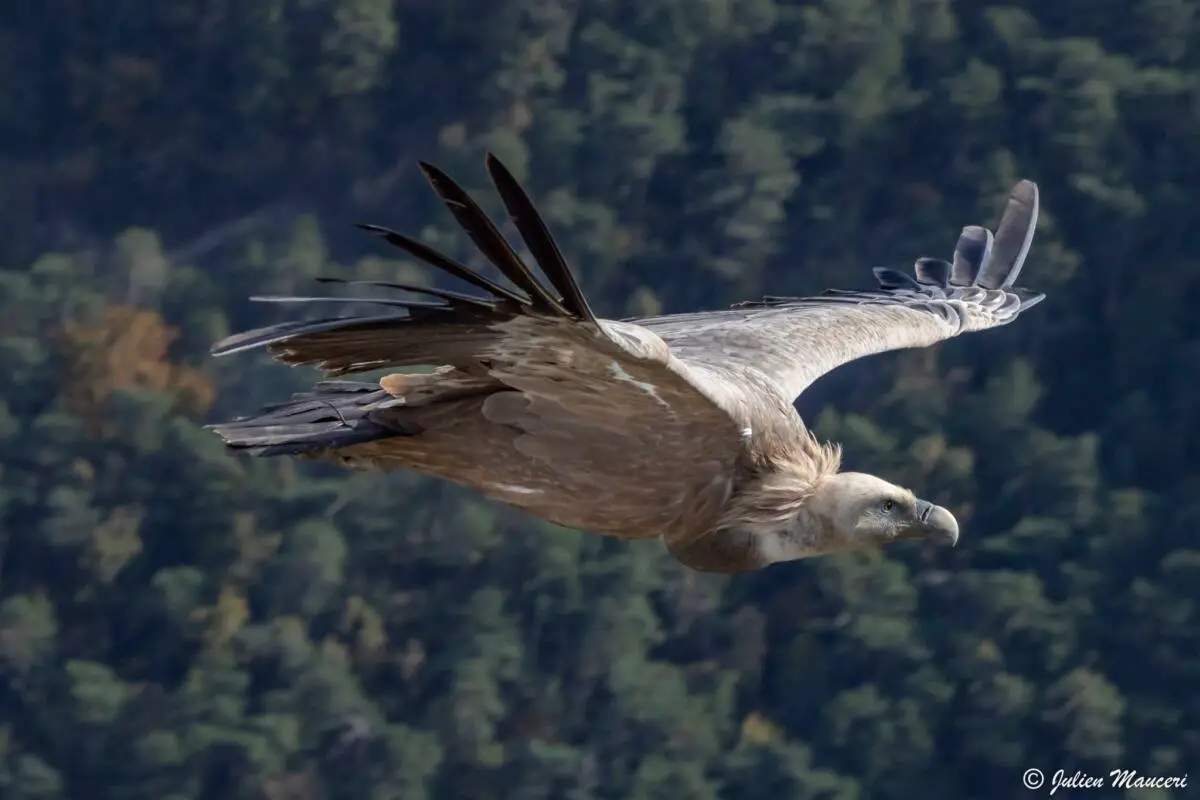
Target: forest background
[(178, 624)]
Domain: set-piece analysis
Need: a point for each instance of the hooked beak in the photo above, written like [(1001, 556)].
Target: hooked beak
[(936, 523)]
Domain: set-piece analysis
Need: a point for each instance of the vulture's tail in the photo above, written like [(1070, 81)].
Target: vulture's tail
[(335, 414)]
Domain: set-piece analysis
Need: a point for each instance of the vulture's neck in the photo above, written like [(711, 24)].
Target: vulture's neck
[(781, 516), (765, 523), (808, 533), (777, 511)]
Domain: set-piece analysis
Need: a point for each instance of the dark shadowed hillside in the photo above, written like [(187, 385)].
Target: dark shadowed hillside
[(176, 624)]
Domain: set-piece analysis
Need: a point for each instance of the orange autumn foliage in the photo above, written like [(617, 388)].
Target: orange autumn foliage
[(127, 348)]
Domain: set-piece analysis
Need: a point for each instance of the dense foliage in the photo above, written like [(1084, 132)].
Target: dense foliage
[(177, 624)]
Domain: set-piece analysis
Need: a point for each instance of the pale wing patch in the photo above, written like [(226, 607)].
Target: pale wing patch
[(514, 489), (618, 372)]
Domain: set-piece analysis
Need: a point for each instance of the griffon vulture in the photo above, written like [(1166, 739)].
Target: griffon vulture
[(680, 426)]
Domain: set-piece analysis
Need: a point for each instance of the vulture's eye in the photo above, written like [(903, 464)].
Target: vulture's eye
[(888, 505)]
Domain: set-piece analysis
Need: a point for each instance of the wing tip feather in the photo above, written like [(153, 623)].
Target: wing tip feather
[(1013, 238), (980, 258), (537, 236)]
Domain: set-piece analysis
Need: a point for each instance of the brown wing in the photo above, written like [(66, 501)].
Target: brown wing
[(587, 423)]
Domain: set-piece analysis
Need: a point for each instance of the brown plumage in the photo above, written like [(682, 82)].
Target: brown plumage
[(677, 426)]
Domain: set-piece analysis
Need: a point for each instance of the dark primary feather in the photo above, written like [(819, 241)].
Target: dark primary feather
[(265, 336), (1014, 235), (443, 294), (335, 414), (489, 240), (933, 272), (973, 249), (378, 301), (531, 227), (891, 279), (446, 264)]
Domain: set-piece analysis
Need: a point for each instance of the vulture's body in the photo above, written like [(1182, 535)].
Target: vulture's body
[(679, 426)]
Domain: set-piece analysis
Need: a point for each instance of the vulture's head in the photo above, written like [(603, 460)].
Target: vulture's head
[(864, 510)]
